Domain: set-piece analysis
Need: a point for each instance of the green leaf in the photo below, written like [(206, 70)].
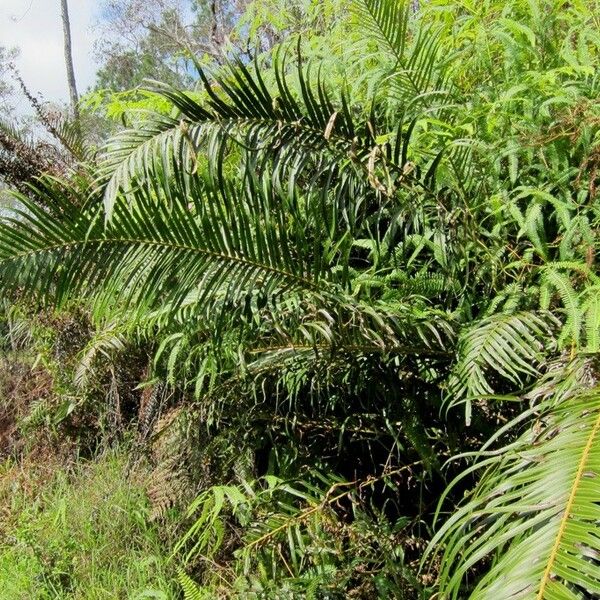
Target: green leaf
[(535, 511)]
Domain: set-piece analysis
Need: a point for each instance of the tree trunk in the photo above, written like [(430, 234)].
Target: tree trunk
[(69, 60)]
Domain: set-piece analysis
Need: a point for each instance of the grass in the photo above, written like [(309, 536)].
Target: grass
[(79, 533)]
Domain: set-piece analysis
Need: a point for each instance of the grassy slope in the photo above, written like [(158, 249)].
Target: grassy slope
[(81, 533)]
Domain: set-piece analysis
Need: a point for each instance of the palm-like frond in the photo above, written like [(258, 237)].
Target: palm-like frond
[(305, 341), (418, 75), (511, 346), (300, 128), (105, 343), (133, 153), (535, 512), (69, 134), (151, 253)]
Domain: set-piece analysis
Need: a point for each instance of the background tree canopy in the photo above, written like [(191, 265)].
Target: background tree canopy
[(331, 289)]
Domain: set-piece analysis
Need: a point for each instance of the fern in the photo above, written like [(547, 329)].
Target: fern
[(418, 75), (580, 317), (316, 268), (191, 591), (534, 510), (509, 346), (286, 526)]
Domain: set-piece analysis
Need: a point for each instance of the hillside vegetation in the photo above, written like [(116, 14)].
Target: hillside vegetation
[(324, 325)]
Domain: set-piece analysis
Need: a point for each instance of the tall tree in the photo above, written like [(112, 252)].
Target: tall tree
[(158, 39), (69, 59)]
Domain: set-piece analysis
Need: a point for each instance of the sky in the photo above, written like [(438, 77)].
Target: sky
[(35, 27)]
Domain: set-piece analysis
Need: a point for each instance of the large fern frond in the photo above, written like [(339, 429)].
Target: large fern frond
[(150, 253), (509, 346), (535, 512), (419, 75)]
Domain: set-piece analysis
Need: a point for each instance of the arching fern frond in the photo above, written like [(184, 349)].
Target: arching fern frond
[(535, 511), (419, 75), (576, 287), (386, 22), (151, 254), (510, 346)]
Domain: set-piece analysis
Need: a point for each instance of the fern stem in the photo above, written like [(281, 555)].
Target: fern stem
[(327, 501)]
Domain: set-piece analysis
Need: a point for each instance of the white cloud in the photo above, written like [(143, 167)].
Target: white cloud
[(35, 27)]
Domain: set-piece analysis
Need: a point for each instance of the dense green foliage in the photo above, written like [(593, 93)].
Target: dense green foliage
[(362, 266)]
